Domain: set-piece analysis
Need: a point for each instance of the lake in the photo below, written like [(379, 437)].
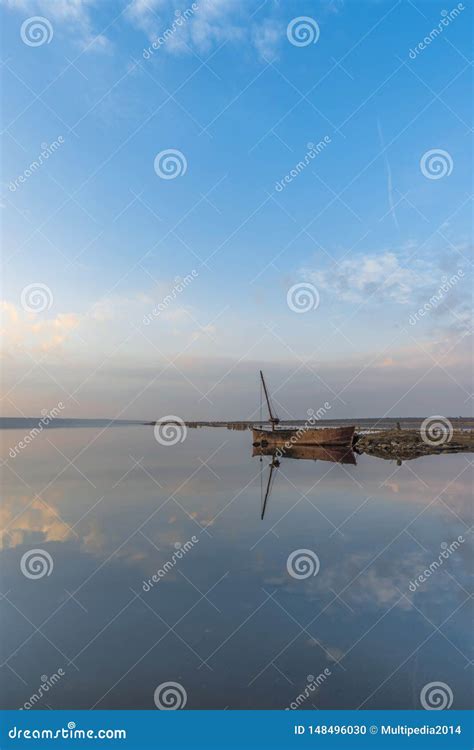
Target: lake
[(153, 566)]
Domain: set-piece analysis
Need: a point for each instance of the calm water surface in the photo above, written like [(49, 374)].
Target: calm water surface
[(227, 621)]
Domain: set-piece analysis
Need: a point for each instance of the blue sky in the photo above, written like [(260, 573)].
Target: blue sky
[(361, 222)]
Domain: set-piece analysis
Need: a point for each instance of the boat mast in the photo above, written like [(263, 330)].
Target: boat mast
[(273, 418)]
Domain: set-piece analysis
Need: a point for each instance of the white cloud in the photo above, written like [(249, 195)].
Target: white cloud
[(212, 23), (200, 29), (28, 331), (201, 26), (335, 6), (143, 14), (72, 15), (379, 277), (267, 37), (104, 325), (209, 330)]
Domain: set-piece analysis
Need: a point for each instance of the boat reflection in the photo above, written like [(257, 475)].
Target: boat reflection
[(341, 454), (332, 453)]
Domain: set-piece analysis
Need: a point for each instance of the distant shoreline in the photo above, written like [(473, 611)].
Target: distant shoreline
[(361, 423)]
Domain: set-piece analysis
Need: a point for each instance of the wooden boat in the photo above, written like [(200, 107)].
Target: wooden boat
[(304, 436), (298, 436)]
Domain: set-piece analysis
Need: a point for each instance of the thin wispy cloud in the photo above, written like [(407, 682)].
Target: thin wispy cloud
[(374, 278)]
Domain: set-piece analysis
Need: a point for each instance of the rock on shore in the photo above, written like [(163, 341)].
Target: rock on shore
[(407, 444)]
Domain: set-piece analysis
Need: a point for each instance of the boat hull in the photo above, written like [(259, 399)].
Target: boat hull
[(304, 436)]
